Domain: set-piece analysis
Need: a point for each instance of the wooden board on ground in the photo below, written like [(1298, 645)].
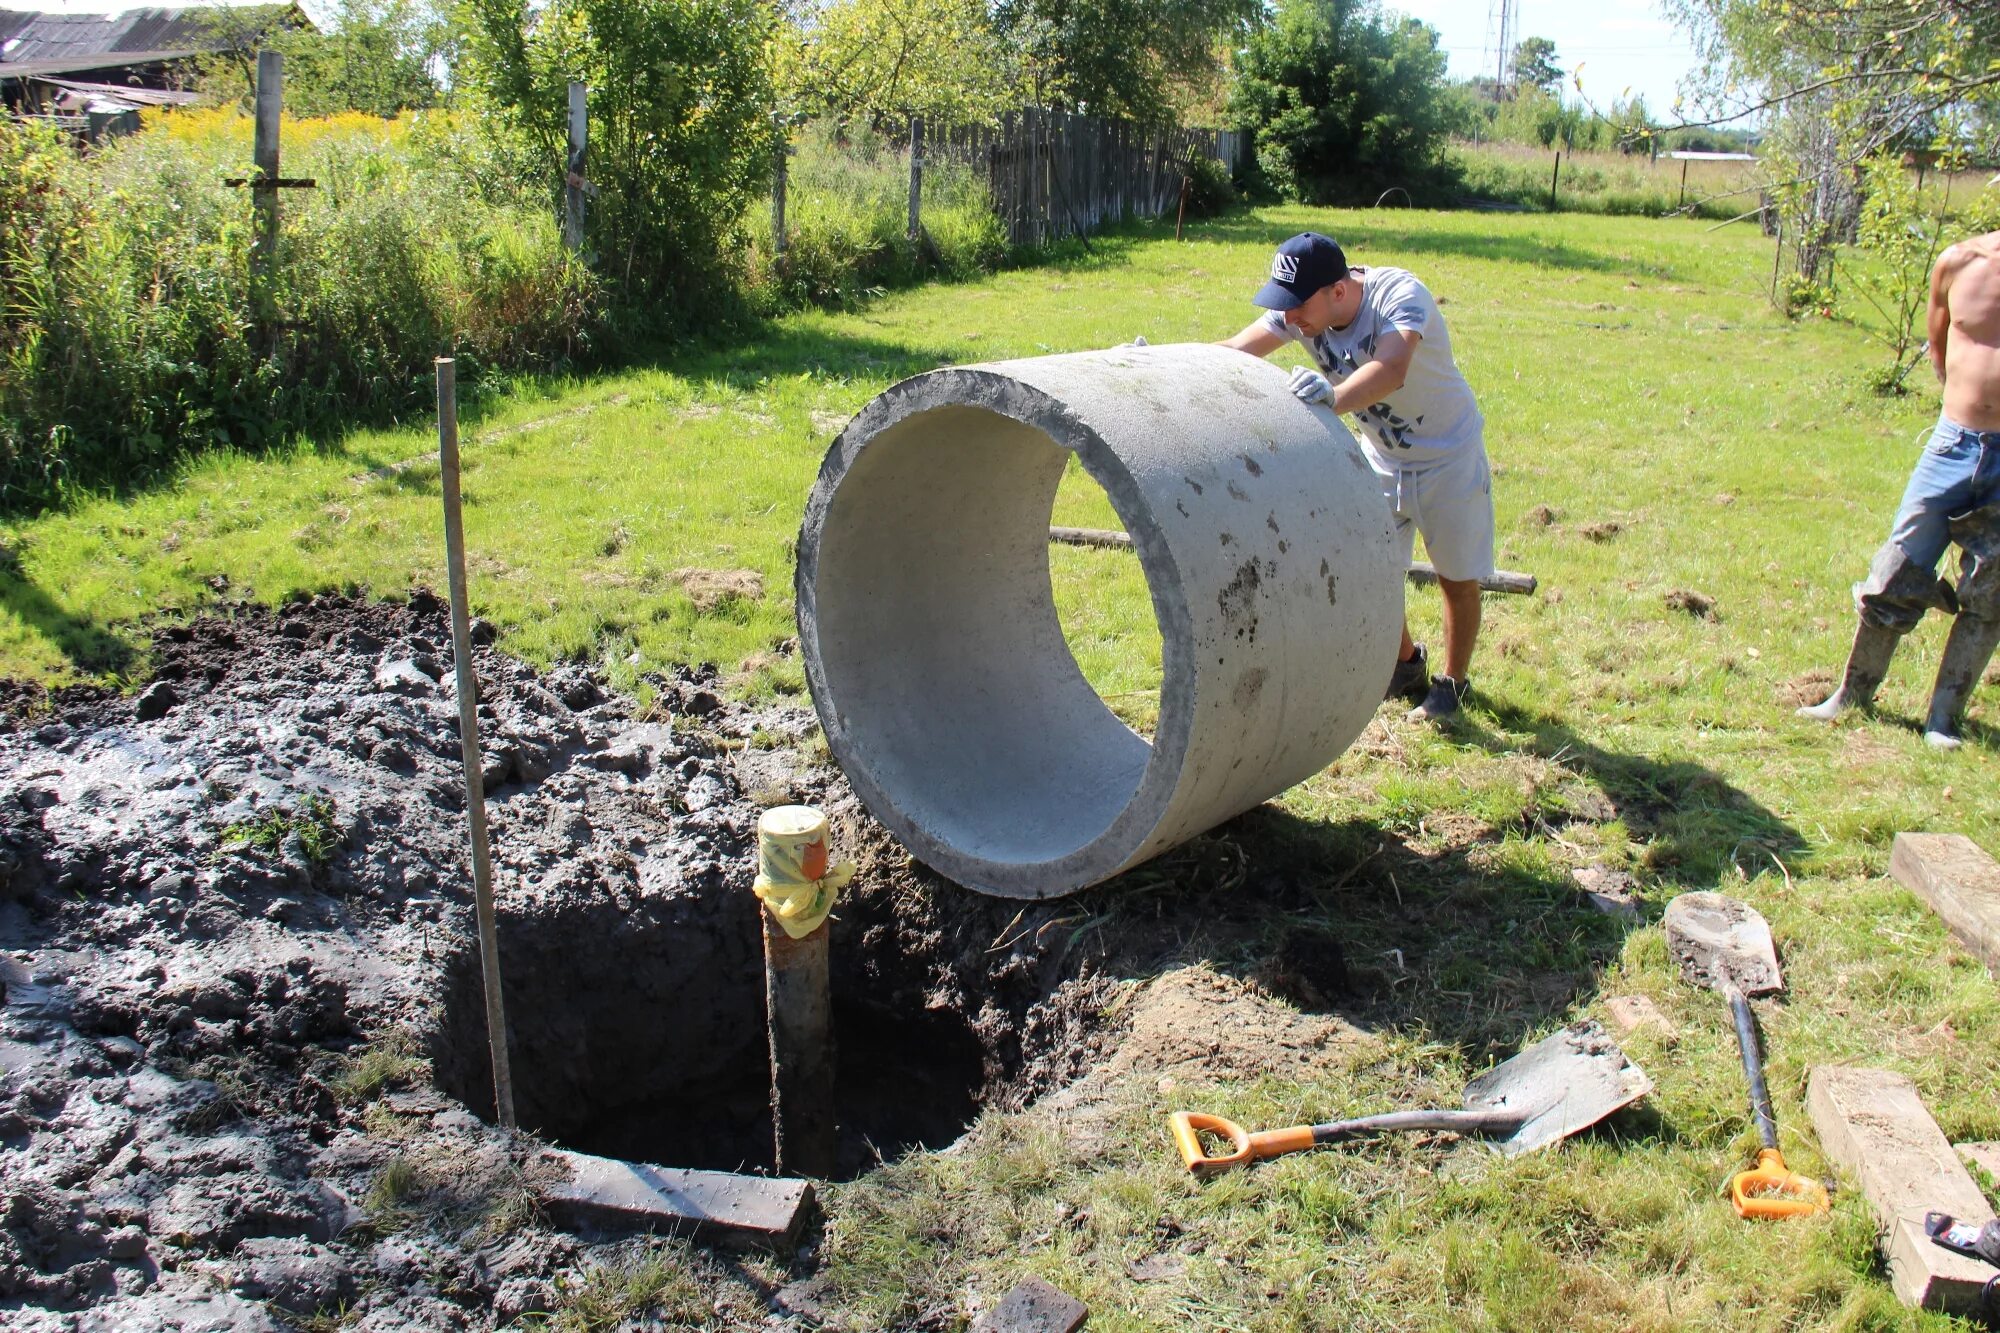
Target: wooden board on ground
[(1873, 1123), (1033, 1307), (713, 1205), (1961, 883)]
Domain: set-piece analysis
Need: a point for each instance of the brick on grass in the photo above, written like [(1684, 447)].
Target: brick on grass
[(1631, 1013), (1033, 1307), (711, 1205), (1959, 881), (1874, 1125)]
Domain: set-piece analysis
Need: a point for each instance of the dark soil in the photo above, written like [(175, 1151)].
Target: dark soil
[(243, 1070)]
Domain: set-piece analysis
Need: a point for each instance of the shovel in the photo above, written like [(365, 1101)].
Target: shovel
[(1554, 1089), (1723, 944)]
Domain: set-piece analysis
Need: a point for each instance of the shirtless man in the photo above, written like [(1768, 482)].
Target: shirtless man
[(1953, 495)]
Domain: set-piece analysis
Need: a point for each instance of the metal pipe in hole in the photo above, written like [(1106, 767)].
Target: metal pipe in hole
[(468, 736), (794, 882)]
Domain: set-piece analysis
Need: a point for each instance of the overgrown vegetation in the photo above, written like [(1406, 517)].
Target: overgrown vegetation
[(129, 336), (847, 218), (1344, 102)]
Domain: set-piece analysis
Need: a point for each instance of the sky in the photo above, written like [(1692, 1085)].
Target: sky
[(1620, 44)]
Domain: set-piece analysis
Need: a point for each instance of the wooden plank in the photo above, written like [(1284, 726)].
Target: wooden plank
[(1874, 1125), (1959, 881), (1033, 1307), (711, 1205)]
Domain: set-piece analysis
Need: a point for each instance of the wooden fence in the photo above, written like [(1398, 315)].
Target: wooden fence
[(1055, 174)]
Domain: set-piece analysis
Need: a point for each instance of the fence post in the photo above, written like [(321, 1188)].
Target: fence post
[(1554, 176), (1678, 203), (778, 182), (264, 156), (916, 175), (573, 178)]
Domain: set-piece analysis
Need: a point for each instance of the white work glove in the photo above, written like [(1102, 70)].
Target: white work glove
[(1311, 387)]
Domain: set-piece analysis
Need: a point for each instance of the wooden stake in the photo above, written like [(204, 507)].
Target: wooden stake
[(798, 1003), (778, 186), (916, 174), (264, 157), (468, 737), (573, 173)]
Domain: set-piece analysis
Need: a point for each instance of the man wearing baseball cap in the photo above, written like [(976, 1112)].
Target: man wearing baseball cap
[(1384, 356)]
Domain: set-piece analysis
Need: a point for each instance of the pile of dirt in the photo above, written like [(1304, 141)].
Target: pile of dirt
[(242, 1053)]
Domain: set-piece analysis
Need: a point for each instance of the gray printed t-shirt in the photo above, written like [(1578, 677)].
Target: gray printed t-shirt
[(1433, 416)]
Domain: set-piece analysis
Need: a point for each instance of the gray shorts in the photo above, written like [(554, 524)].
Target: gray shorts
[(1450, 502)]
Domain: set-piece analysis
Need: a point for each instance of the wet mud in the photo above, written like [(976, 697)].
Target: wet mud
[(243, 1076)]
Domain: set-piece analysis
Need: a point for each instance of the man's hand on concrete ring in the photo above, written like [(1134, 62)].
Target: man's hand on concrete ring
[(1311, 386)]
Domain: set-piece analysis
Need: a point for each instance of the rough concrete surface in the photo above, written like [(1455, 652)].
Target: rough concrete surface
[(224, 901), (938, 663)]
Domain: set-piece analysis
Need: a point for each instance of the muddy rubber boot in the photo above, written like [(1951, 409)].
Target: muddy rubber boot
[(1867, 663), (1966, 654)]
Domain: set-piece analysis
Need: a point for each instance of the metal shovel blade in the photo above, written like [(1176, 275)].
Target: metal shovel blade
[(1565, 1084), (1719, 941)]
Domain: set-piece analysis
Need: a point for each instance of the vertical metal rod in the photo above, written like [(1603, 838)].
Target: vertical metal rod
[(800, 1016), (468, 737), (1555, 176), (1684, 186), (573, 172), (1180, 219), (916, 174)]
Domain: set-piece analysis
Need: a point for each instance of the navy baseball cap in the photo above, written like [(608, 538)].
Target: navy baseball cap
[(1303, 265)]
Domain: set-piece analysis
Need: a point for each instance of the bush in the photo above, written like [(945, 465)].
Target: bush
[(1210, 190), (681, 138), (130, 336), (1343, 103)]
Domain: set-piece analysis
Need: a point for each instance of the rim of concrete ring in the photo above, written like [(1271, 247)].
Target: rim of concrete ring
[(1096, 859)]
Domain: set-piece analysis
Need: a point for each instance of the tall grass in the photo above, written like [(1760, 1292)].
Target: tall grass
[(846, 222), (133, 331), (1624, 185)]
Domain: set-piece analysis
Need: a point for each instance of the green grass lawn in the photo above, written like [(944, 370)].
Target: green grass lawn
[(1655, 429)]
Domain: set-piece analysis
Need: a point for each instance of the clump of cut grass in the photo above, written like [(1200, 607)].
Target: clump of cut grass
[(390, 1061), (312, 819), (659, 1286)]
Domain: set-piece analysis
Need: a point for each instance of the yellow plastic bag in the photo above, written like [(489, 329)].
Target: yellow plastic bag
[(793, 877)]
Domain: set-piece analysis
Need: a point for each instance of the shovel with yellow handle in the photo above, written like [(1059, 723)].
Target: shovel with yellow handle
[(1558, 1087), (1724, 944)]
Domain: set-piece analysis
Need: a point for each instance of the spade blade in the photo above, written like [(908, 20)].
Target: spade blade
[(1719, 941)]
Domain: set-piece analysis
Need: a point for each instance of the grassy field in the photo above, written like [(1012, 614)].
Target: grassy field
[(1661, 440)]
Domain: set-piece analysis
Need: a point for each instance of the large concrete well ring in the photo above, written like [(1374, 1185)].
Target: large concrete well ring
[(937, 663)]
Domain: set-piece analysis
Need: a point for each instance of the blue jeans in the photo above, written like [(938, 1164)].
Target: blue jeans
[(1958, 473)]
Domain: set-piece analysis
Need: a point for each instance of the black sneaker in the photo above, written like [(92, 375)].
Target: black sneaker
[(1443, 700), (1410, 680)]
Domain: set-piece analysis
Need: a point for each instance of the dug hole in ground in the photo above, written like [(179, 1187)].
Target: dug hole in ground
[(243, 1064)]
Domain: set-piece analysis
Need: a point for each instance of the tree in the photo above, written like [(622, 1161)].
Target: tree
[(1140, 59), (1848, 79), (1534, 64), (884, 61), (1343, 102), (377, 56), (681, 135)]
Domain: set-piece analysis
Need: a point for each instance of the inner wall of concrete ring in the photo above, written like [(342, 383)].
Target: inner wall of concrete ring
[(938, 665)]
